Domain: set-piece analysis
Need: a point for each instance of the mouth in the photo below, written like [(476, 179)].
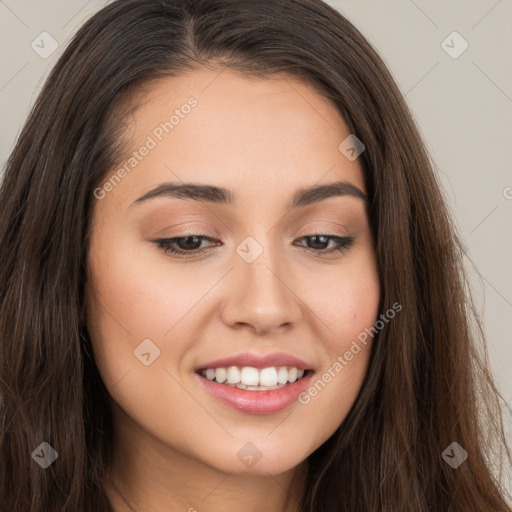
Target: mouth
[(255, 390), (254, 379)]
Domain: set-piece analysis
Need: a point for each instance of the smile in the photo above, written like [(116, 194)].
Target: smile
[(252, 391), (255, 379)]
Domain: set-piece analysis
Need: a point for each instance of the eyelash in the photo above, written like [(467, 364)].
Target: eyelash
[(166, 244)]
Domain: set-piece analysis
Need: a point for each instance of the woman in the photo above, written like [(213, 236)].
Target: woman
[(229, 278)]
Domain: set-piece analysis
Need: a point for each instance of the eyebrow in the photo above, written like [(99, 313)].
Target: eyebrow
[(220, 195)]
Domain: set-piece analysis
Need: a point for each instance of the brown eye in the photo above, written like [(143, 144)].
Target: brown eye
[(183, 245), (319, 242)]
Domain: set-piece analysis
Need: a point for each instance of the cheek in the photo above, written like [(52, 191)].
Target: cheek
[(137, 297), (350, 310), (357, 308), (357, 314), (345, 301), (140, 296), (129, 300)]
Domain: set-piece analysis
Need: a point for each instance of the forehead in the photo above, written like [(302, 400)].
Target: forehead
[(261, 137)]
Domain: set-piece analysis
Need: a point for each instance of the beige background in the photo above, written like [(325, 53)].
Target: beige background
[(463, 106)]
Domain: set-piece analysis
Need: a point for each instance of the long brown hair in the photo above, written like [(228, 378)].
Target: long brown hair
[(428, 384)]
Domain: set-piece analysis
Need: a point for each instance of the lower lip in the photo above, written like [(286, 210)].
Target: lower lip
[(257, 402)]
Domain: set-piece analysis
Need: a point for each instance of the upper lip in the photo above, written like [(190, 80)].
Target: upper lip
[(258, 361)]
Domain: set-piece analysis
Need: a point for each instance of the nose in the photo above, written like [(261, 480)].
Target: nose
[(260, 296)]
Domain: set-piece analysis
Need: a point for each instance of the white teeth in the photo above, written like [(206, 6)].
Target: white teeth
[(248, 377), (221, 374), (268, 377), (259, 388), (282, 375), (233, 375)]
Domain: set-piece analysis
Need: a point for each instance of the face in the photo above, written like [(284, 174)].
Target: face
[(264, 280)]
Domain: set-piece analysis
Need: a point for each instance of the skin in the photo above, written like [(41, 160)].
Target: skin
[(176, 446)]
